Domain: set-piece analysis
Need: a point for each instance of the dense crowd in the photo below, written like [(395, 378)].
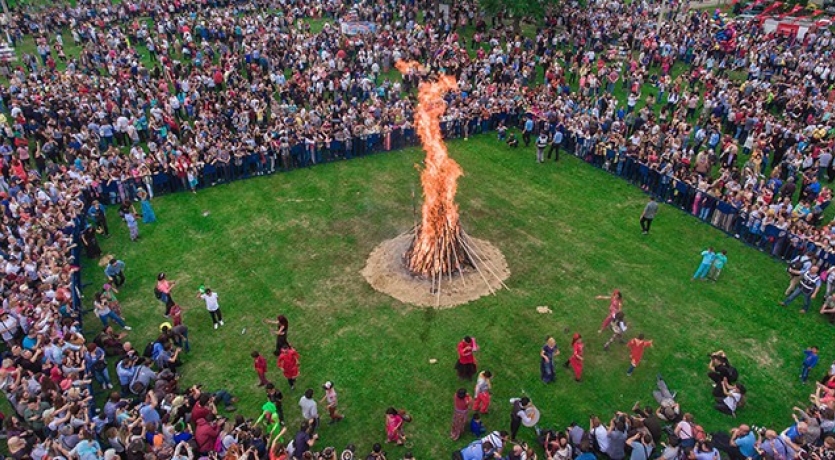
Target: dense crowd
[(247, 88)]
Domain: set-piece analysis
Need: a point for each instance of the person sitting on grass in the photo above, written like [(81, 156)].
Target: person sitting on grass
[(720, 368), (477, 426), (732, 398), (828, 307), (111, 342), (512, 141)]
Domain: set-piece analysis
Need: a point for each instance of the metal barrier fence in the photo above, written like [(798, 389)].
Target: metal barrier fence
[(777, 242), (719, 213)]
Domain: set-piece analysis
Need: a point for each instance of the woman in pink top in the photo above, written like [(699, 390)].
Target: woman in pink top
[(163, 289), (615, 305), (394, 426)]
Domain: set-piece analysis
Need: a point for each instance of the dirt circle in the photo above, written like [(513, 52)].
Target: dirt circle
[(386, 272)]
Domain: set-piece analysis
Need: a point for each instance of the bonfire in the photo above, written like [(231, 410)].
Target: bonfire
[(440, 246), (436, 254)]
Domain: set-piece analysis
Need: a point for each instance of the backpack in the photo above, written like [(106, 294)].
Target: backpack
[(157, 293), (149, 350), (135, 450), (699, 433)]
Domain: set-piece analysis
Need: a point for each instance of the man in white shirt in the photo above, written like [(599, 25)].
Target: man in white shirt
[(212, 306), (599, 432)]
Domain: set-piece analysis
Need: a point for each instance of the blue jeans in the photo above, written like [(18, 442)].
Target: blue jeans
[(183, 342), (701, 272), (224, 397), (102, 377), (804, 373), (111, 315), (807, 298)]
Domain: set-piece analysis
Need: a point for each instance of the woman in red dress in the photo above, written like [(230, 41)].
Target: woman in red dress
[(459, 418), (394, 426), (466, 365), (576, 360), (288, 362)]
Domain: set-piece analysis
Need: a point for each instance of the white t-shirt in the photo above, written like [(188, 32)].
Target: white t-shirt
[(602, 437), (211, 301)]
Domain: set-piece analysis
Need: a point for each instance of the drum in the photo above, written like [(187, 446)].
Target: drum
[(533, 416)]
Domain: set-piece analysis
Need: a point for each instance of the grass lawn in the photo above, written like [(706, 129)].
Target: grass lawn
[(295, 243)]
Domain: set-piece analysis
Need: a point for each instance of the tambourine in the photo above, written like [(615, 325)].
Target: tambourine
[(533, 416)]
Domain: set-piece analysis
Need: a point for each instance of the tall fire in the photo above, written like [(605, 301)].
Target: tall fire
[(436, 264), (439, 247)]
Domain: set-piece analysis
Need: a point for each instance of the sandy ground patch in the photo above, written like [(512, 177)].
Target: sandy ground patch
[(385, 271)]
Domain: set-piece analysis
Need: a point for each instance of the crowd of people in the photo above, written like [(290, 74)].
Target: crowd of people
[(211, 91)]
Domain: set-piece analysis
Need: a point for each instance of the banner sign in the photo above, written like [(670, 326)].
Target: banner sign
[(358, 27)]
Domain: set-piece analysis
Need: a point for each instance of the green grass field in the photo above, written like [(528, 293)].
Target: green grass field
[(295, 243)]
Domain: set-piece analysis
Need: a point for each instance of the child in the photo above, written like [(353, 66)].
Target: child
[(618, 328), (707, 261), (809, 361), (331, 398), (133, 226), (502, 132), (108, 292), (191, 175), (512, 141), (176, 314), (718, 264), (476, 426), (482, 390), (260, 367), (636, 351)]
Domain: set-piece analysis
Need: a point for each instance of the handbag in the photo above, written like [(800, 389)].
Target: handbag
[(99, 365)]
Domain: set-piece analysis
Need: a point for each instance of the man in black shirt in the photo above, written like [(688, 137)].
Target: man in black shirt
[(274, 396)]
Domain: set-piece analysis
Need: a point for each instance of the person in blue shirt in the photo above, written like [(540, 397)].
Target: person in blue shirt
[(479, 450), (477, 426), (527, 131), (148, 409), (115, 272), (707, 260), (718, 264), (810, 360), (743, 443), (99, 218)]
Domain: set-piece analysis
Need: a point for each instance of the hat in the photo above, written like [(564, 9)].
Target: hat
[(105, 260), (164, 325), (328, 385), (110, 454), (106, 286)]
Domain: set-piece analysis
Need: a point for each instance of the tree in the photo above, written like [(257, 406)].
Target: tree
[(518, 8)]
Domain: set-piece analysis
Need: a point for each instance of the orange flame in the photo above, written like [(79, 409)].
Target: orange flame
[(437, 246)]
